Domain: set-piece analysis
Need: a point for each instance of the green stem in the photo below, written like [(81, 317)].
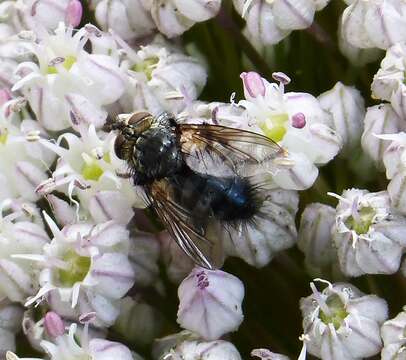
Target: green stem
[(227, 23)]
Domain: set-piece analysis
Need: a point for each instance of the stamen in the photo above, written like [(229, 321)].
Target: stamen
[(320, 301)]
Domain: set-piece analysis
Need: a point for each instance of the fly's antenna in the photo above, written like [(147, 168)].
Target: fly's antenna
[(113, 122)]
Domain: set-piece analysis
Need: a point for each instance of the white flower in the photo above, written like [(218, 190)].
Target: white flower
[(19, 234), (178, 264), (342, 323), (258, 242), (35, 330), (143, 254), (210, 303), (10, 324), (346, 106), (195, 350), (71, 346), (379, 119), (265, 354), (296, 121), (23, 163), (160, 77), (270, 21), (89, 167), (357, 56), (377, 23), (49, 13), (395, 165), (393, 335), (174, 17), (129, 19), (138, 322), (368, 233), (187, 346), (388, 83), (314, 237), (37, 15), (85, 266), (69, 81)]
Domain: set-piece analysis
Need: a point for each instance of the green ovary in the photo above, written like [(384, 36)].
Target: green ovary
[(362, 224), (147, 66), (92, 171), (67, 64), (78, 267), (275, 127), (3, 136), (337, 312)]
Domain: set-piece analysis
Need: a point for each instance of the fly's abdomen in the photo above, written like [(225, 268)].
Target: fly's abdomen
[(227, 199), (231, 199)]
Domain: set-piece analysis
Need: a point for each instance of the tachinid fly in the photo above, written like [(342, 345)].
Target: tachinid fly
[(206, 183)]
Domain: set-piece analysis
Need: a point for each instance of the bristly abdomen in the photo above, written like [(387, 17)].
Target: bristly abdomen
[(228, 199)]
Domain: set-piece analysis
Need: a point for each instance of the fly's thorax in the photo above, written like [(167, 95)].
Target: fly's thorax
[(149, 145), (157, 153)]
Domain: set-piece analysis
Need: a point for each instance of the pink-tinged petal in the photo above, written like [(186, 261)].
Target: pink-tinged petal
[(253, 84), (144, 255), (107, 311), (15, 283), (110, 205), (139, 322), (281, 77), (379, 119), (113, 274), (210, 303), (178, 264), (30, 236), (54, 324), (108, 234), (11, 315), (106, 76), (74, 13), (5, 95), (198, 10), (64, 213), (27, 178), (83, 112), (106, 350)]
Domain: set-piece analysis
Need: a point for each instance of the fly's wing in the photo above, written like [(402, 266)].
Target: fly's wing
[(199, 240), (221, 151)]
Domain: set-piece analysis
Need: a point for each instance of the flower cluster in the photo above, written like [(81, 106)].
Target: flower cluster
[(87, 271)]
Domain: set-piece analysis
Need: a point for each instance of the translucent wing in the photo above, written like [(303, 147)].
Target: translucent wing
[(198, 238), (219, 150)]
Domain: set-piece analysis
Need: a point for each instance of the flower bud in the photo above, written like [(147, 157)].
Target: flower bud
[(51, 13), (393, 335), (10, 324), (174, 17), (380, 24), (314, 237), (269, 22), (210, 303), (138, 322), (265, 354), (346, 106), (379, 119), (127, 18)]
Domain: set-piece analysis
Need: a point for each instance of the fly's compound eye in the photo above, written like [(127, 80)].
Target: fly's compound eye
[(119, 147), (140, 121)]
